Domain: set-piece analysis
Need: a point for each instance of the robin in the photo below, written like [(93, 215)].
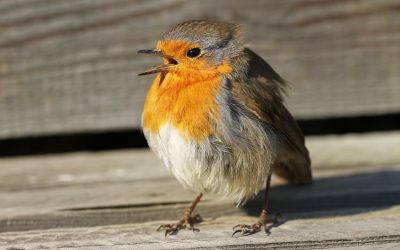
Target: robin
[(215, 116)]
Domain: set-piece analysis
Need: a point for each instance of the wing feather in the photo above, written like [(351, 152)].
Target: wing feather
[(260, 89)]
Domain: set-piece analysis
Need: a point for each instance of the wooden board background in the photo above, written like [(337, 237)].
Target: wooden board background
[(70, 65)]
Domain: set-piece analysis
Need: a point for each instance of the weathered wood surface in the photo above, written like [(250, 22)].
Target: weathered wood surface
[(71, 65), (115, 200), (369, 230)]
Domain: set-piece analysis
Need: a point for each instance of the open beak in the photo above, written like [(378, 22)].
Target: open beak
[(159, 68)]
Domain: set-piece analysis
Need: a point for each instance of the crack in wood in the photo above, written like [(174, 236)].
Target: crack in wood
[(316, 244), (125, 206)]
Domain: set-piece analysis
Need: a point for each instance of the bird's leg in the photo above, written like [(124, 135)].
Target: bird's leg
[(244, 229), (187, 220)]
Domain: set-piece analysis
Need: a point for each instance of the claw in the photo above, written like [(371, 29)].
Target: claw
[(244, 229), (162, 227), (237, 231), (247, 230), (172, 229), (241, 226)]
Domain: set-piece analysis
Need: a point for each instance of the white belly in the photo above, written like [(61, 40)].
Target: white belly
[(212, 167), (177, 154)]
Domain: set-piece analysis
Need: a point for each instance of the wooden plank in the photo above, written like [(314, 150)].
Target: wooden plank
[(352, 150), (41, 172), (92, 189), (38, 172), (368, 229), (332, 192), (116, 200), (68, 66)]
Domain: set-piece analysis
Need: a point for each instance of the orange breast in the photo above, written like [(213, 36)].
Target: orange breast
[(185, 97), (189, 106)]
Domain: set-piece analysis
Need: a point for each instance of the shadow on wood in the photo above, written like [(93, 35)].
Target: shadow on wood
[(350, 194)]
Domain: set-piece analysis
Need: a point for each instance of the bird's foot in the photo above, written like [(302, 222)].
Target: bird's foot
[(244, 229), (185, 223)]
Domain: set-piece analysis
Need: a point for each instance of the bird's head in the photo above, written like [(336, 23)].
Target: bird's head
[(197, 48)]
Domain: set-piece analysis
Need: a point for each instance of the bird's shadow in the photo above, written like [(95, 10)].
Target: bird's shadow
[(330, 196)]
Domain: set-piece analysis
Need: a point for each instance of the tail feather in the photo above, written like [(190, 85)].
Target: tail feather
[(293, 161), (296, 173)]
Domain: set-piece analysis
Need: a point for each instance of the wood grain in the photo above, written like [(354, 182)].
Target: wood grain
[(132, 186), (69, 65), (364, 231), (116, 200)]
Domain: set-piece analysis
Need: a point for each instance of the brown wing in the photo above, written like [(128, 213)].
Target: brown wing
[(260, 89)]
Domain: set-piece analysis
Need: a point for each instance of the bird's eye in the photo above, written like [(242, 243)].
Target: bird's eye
[(192, 53)]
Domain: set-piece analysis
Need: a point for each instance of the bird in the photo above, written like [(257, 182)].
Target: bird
[(215, 115)]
